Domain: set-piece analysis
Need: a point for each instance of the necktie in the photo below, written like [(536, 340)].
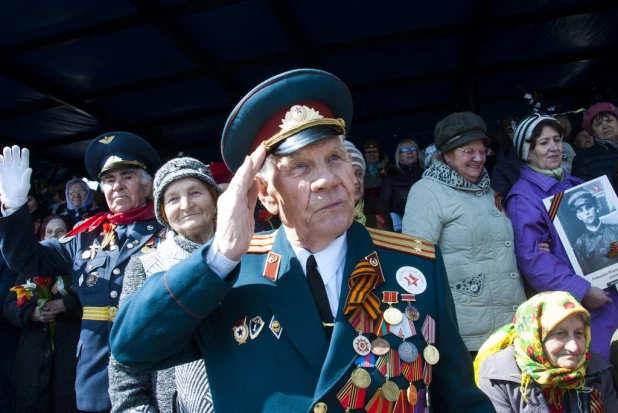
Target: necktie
[(319, 295)]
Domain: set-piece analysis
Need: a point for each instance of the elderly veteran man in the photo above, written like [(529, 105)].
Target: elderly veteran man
[(95, 253), (319, 315)]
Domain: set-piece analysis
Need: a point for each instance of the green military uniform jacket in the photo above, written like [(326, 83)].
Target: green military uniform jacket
[(189, 312)]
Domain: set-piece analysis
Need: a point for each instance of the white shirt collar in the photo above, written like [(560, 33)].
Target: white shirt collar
[(329, 259)]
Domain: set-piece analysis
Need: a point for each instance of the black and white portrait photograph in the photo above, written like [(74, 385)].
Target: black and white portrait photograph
[(587, 221)]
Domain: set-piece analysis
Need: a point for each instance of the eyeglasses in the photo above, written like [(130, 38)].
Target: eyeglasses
[(471, 152), (75, 193), (413, 149)]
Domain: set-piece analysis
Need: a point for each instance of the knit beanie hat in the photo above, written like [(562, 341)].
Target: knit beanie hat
[(174, 170), (357, 156), (594, 110), (523, 133)]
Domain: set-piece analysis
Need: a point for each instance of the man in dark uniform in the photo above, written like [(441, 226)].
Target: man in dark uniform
[(95, 253), (285, 320), (593, 246)]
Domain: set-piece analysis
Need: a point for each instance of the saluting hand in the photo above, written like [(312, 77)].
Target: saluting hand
[(235, 222), (15, 175)]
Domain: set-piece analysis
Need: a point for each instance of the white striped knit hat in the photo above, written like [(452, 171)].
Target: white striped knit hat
[(523, 133), (357, 156)]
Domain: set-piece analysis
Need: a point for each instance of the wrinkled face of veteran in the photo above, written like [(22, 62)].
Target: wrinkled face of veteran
[(124, 189), (190, 209), (77, 194), (55, 228), (312, 190), (565, 344)]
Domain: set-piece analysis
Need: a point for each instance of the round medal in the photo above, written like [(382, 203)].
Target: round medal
[(86, 255), (407, 352), (361, 378), (412, 394), (380, 347), (390, 391), (362, 345), (431, 354), (411, 280), (412, 313), (393, 316)]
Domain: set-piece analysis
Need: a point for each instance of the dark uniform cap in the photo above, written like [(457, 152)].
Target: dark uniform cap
[(580, 198), (120, 150), (286, 113), (459, 128), (371, 144)]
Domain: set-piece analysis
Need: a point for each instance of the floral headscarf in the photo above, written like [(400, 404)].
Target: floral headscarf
[(533, 321)]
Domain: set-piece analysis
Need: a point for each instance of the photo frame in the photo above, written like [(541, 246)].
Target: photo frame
[(587, 222)]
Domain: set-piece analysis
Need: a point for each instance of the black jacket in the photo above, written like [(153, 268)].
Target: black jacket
[(596, 161), (44, 378), (397, 184)]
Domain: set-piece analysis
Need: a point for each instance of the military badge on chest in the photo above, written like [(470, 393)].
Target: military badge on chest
[(368, 317)]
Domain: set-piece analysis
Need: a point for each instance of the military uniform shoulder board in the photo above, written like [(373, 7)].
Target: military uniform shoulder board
[(261, 244), (403, 243), (64, 240)]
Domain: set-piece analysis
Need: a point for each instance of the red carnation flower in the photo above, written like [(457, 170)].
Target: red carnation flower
[(264, 216), (43, 281)]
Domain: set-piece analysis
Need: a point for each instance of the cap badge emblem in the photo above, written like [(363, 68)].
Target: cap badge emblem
[(107, 139), (298, 114), (112, 160)]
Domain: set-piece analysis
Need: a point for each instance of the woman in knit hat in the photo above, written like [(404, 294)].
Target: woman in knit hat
[(185, 200), (368, 211), (600, 121), (538, 142), (453, 206)]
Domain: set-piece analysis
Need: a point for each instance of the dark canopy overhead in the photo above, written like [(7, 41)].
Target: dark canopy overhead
[(172, 70)]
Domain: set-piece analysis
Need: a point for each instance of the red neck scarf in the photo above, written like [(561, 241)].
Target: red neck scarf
[(124, 218)]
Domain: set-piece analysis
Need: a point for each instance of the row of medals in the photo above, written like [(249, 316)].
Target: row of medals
[(380, 347)]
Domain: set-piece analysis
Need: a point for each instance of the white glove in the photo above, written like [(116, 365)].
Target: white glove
[(15, 175)]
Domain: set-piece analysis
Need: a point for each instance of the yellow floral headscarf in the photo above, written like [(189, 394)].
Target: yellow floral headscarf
[(533, 321), (359, 216)]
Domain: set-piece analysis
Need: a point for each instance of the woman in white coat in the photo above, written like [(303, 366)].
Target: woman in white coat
[(454, 207)]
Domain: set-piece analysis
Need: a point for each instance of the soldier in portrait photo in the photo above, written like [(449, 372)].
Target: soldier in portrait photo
[(593, 245)]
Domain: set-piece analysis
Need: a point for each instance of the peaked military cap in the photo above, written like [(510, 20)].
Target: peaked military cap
[(580, 198), (286, 113), (120, 150)]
